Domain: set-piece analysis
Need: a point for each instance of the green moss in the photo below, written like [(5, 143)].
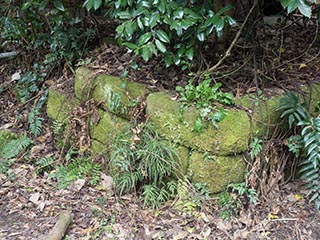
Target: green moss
[(117, 93), (97, 147), (231, 137), (59, 106), (5, 137), (216, 171), (270, 117), (183, 158), (107, 127), (83, 83)]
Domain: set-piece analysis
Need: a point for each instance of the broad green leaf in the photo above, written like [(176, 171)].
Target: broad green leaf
[(163, 36), (146, 53), (162, 6), (58, 5), (190, 53), (144, 38), (176, 60), (97, 4), (305, 8), (178, 14), (200, 36), (140, 25), (153, 20), (124, 15), (168, 60), (285, 3), (160, 46), (292, 5), (181, 51), (230, 20), (130, 45), (220, 25)]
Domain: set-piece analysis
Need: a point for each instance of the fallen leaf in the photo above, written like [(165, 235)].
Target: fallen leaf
[(223, 225), (15, 76), (302, 65), (34, 197), (272, 216), (6, 126), (298, 197), (78, 184)]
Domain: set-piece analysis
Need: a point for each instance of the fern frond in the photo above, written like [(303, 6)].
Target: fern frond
[(292, 109), (44, 164), (15, 147)]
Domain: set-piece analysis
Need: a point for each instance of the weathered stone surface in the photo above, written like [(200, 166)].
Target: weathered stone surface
[(5, 137), (117, 93), (83, 83), (108, 126), (59, 106), (216, 171), (231, 137), (268, 120)]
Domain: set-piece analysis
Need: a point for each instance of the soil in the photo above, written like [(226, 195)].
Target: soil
[(30, 203)]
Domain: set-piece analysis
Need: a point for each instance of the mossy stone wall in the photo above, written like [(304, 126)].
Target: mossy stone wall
[(213, 157)]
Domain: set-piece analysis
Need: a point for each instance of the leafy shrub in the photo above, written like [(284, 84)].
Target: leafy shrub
[(140, 161), (48, 36), (205, 97), (307, 144), (174, 29)]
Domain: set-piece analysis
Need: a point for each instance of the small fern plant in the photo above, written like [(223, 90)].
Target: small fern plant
[(13, 149), (307, 144)]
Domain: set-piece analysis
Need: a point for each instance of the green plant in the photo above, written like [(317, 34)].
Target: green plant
[(206, 98), (233, 199), (44, 164), (34, 116), (13, 149), (255, 147), (173, 29), (141, 161), (307, 144), (78, 168)]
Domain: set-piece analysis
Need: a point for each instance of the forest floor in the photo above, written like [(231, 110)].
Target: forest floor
[(30, 203)]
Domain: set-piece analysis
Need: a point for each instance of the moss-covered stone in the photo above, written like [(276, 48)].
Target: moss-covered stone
[(107, 127), (216, 171), (117, 93), (97, 147), (83, 83), (313, 98), (59, 106), (183, 161), (231, 137), (270, 117), (5, 137)]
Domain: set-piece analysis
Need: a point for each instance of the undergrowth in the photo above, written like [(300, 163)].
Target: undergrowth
[(208, 99), (306, 143), (13, 149), (140, 161), (79, 168)]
